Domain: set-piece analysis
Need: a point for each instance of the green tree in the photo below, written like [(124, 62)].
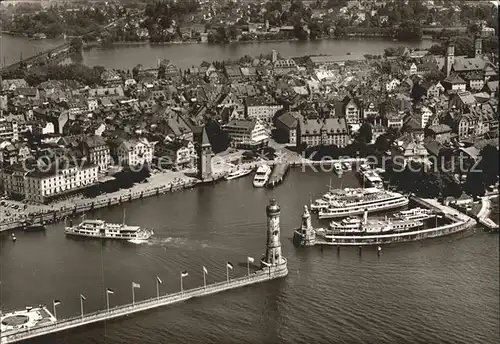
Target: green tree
[(365, 133), (409, 31)]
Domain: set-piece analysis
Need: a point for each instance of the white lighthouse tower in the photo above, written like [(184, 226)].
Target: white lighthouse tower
[(273, 259)]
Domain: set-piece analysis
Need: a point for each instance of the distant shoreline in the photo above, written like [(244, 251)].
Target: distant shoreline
[(341, 38)]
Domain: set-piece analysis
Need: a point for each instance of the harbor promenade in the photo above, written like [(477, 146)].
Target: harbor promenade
[(266, 274), (157, 184)]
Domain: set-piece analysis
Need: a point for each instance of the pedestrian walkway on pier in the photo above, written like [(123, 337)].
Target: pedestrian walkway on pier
[(273, 265), (268, 273)]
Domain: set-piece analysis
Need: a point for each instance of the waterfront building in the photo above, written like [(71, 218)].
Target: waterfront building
[(177, 155), (282, 67), (287, 125), (232, 72), (43, 186), (327, 61), (134, 152), (247, 134), (327, 131), (111, 77)]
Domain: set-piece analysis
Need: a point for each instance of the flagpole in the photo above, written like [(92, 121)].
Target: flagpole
[(204, 279), (55, 313), (248, 267), (81, 305), (182, 289), (107, 299), (157, 289), (227, 273), (133, 294)]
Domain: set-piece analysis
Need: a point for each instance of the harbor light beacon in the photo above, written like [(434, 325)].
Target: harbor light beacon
[(273, 255)]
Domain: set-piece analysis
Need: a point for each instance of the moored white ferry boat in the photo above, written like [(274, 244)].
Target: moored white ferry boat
[(103, 230), (371, 200), (262, 176), (238, 174), (356, 226)]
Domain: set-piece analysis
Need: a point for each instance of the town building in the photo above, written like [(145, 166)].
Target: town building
[(261, 107), (440, 133), (247, 134), (177, 155), (135, 152), (328, 131), (9, 130), (97, 151), (350, 109), (282, 67), (287, 125), (409, 149), (43, 185), (455, 83)]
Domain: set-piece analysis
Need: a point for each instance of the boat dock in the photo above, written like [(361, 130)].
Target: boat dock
[(306, 235), (278, 174)]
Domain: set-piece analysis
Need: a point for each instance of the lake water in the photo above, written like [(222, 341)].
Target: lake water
[(187, 55), (435, 291)]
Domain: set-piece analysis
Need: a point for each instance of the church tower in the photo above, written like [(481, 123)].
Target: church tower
[(273, 258), (478, 48), (204, 154), (274, 57), (305, 235), (450, 58)]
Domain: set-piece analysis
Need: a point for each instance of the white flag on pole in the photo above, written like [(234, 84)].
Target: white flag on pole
[(250, 259), (205, 270)]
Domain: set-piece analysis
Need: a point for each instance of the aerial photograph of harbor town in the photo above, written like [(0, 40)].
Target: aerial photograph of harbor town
[(249, 171)]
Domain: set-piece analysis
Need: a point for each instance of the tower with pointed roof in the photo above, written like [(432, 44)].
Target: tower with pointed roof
[(450, 58), (478, 47), (204, 153)]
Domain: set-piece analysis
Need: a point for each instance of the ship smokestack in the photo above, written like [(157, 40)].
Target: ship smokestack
[(365, 217)]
